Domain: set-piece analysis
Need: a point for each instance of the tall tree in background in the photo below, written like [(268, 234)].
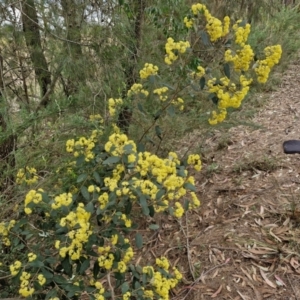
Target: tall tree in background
[(33, 41), (73, 13), (131, 75)]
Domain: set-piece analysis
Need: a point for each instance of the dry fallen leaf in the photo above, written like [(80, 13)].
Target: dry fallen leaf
[(217, 292), (269, 282)]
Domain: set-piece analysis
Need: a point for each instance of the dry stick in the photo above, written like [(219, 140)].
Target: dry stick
[(111, 288), (186, 234)]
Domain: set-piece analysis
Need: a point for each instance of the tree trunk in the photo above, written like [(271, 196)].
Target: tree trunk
[(131, 76), (74, 73), (7, 143), (33, 42)]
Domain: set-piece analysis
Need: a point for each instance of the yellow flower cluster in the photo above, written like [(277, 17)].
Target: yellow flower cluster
[(126, 220), (148, 70), (41, 279), (179, 103), (215, 28), (80, 230), (27, 175), (116, 144), (194, 160), (99, 295), (162, 284), (199, 8), (15, 268), (163, 263), (173, 48), (106, 258), (241, 33), (32, 196), (228, 96), (242, 59), (217, 117), (31, 257), (200, 72), (164, 172), (25, 289), (93, 188), (188, 22), (83, 146), (64, 199), (4, 231), (160, 92), (126, 296), (113, 104), (96, 118), (137, 88), (263, 67)]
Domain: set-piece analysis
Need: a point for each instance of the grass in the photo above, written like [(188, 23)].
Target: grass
[(252, 164)]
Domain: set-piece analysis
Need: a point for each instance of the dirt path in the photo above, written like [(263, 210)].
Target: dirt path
[(245, 241)]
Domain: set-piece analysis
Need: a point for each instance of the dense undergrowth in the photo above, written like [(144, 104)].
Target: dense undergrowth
[(73, 217)]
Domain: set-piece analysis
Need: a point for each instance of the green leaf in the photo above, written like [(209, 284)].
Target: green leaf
[(128, 207), (51, 294), (226, 68), (139, 240), (124, 287), (137, 285), (205, 38), (96, 270), (140, 107), (158, 132), (160, 194), (73, 290), (202, 82), (144, 205), (46, 273), (181, 171), (36, 264), (121, 2), (140, 147), (67, 266), (60, 279), (154, 226), (128, 149), (150, 140), (157, 114), (168, 86), (171, 111), (151, 211), (85, 193), (213, 98), (81, 177), (111, 160), (97, 177), (190, 186), (90, 207), (186, 205), (84, 266)]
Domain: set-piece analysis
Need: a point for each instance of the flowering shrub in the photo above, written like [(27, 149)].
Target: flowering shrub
[(82, 237)]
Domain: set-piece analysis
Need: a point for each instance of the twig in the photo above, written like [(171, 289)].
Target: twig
[(111, 287)]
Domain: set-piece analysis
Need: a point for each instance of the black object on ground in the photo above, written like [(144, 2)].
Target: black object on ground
[(291, 146)]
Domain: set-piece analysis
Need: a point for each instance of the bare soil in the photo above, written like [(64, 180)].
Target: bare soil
[(244, 240)]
